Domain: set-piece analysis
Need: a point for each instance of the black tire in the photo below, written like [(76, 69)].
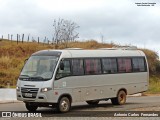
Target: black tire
[(120, 99), (64, 105), (92, 102), (31, 107)]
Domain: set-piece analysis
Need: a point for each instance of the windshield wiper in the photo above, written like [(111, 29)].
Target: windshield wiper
[(24, 76), (37, 78), (33, 78)]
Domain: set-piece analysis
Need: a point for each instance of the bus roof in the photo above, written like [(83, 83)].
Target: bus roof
[(92, 53)]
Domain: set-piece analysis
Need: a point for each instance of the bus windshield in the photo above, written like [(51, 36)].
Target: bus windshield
[(39, 68)]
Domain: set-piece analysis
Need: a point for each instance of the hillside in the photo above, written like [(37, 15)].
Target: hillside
[(13, 55)]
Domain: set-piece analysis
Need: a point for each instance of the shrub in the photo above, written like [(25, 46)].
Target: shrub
[(152, 58)]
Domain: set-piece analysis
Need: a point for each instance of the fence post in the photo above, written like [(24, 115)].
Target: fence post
[(38, 40), (17, 38), (45, 38), (48, 41), (8, 36), (11, 37), (22, 37), (28, 38)]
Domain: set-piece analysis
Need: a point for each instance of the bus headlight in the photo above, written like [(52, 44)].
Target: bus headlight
[(45, 89), (18, 88)]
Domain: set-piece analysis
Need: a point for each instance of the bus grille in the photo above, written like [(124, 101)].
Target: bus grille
[(29, 92)]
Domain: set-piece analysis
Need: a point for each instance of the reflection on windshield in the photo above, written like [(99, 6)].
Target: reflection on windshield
[(39, 68)]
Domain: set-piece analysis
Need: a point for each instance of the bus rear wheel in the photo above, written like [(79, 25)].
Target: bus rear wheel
[(64, 105), (120, 99), (92, 102), (31, 107)]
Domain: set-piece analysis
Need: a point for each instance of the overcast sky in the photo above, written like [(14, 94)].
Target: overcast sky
[(119, 21)]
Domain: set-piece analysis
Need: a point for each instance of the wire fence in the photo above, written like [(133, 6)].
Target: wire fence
[(21, 38)]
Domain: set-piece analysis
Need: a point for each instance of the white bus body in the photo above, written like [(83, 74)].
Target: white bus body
[(81, 75)]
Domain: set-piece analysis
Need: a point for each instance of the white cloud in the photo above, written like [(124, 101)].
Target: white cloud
[(69, 5)]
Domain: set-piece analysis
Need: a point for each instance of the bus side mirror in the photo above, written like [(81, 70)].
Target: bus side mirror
[(61, 66)]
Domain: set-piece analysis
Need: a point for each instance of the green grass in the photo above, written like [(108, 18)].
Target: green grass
[(154, 85), (154, 88)]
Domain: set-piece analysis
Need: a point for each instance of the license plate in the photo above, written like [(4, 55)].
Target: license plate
[(28, 95)]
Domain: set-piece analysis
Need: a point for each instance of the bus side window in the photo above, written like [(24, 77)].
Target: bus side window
[(109, 65), (92, 66), (138, 65), (77, 67), (124, 65), (66, 72)]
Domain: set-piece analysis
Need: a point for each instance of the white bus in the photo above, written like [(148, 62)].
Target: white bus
[(58, 78)]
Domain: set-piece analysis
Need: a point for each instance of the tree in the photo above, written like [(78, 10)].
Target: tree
[(64, 31)]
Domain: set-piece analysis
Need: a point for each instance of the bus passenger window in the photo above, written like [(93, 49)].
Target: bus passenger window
[(124, 65), (138, 65), (109, 65), (77, 67), (92, 66), (66, 71)]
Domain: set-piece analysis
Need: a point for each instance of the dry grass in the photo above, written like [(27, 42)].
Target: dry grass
[(12, 57), (5, 61)]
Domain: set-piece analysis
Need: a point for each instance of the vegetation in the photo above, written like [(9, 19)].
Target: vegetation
[(153, 61), (154, 83), (13, 55)]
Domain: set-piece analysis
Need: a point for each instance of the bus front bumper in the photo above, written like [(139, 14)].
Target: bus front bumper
[(42, 97)]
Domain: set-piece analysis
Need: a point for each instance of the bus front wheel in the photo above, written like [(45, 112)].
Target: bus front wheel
[(31, 107), (120, 99), (64, 105)]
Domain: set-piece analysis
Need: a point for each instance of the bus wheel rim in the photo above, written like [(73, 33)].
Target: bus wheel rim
[(64, 105), (122, 98)]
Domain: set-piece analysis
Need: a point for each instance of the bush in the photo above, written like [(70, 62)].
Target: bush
[(152, 58)]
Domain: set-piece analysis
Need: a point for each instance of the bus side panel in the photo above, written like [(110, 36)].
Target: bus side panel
[(90, 87)]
